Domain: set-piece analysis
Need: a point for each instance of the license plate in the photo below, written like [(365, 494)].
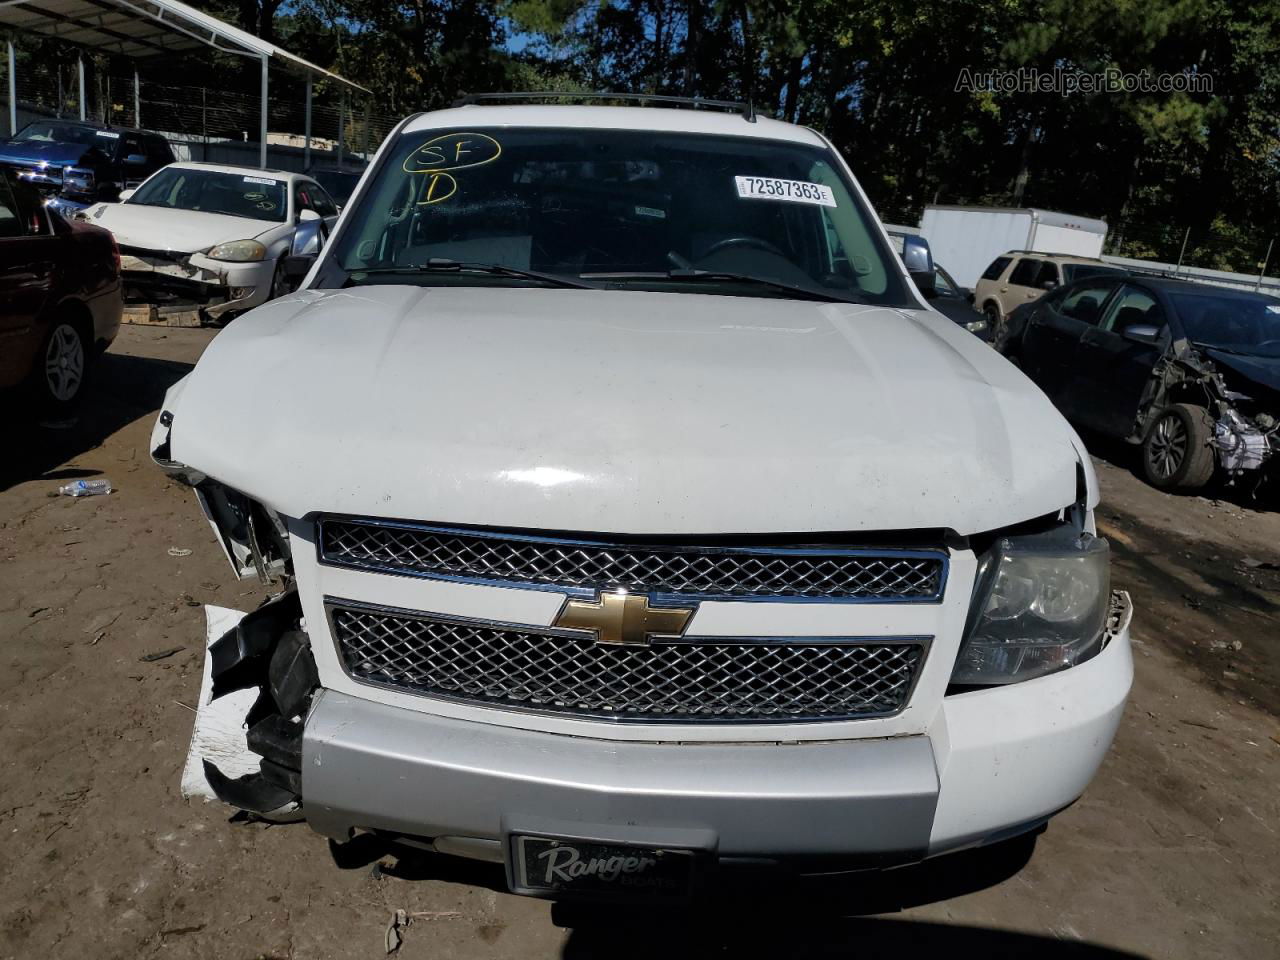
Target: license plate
[(548, 866)]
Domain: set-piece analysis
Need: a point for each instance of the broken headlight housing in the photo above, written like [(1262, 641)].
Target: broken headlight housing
[(238, 251), (254, 538), (1040, 606)]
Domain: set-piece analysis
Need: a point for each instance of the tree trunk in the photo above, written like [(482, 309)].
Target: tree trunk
[(692, 30), (792, 106), (748, 55), (657, 66), (1024, 163)]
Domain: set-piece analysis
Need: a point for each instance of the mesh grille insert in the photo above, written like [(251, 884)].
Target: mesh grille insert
[(560, 671), (706, 572)]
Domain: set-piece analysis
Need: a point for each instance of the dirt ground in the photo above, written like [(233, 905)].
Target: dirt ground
[(1174, 852)]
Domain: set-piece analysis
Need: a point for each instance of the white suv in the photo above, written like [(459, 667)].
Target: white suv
[(634, 512)]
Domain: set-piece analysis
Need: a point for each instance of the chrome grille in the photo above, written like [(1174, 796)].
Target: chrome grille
[(804, 572), (563, 671)]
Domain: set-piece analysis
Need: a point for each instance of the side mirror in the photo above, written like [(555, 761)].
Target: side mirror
[(296, 268), (919, 263), (1049, 285), (1142, 333), (308, 216), (135, 159), (125, 194)]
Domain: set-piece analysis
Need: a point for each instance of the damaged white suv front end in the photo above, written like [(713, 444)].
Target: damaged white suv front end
[(635, 515)]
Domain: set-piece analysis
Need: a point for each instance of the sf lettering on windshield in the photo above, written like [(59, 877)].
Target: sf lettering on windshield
[(440, 157)]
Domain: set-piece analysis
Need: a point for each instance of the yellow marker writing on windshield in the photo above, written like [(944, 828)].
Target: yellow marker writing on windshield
[(440, 186), (453, 151)]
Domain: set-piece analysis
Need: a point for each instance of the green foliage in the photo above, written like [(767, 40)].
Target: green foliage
[(880, 79)]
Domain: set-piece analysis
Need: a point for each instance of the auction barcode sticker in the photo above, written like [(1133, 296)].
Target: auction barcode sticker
[(796, 191), (263, 180)]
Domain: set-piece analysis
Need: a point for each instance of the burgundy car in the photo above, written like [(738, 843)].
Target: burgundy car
[(60, 298)]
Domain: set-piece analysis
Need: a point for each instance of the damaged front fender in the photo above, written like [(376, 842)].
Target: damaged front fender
[(1246, 431), (267, 651)]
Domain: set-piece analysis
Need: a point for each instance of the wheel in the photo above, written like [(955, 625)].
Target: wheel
[(1176, 454), (279, 283), (992, 313), (62, 367)]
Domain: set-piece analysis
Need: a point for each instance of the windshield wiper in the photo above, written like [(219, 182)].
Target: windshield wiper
[(445, 265), (723, 275)]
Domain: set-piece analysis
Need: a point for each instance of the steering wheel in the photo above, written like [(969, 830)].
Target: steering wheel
[(755, 242)]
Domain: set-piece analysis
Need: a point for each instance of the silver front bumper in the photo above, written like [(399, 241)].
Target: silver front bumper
[(372, 766)]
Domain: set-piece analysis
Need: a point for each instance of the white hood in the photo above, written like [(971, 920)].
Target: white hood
[(621, 412), (180, 231)]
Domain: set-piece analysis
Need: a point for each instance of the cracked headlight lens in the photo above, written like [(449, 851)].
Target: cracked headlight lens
[(1041, 606), (242, 251)]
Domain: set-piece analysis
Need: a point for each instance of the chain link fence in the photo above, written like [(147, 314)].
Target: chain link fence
[(1210, 249)]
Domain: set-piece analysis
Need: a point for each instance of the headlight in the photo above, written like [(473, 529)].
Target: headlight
[(77, 180), (244, 251), (1041, 606)]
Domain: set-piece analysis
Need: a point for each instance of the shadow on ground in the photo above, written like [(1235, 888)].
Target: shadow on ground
[(1214, 604), (751, 912), (123, 388), (804, 937)]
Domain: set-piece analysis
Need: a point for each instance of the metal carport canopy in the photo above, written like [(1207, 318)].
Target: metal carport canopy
[(141, 29)]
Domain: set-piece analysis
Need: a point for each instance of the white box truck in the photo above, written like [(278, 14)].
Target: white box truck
[(966, 239)]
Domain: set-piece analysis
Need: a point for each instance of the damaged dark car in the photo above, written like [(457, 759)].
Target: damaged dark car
[(77, 164), (1189, 371)]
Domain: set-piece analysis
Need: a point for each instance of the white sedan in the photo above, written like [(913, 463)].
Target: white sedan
[(214, 237)]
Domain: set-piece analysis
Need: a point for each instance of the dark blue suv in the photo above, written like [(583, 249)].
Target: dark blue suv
[(83, 163)]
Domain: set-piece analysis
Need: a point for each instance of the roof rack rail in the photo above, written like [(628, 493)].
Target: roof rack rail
[(747, 110)]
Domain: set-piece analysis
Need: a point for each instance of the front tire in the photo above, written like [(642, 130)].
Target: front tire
[(996, 324), (279, 283), (1176, 452)]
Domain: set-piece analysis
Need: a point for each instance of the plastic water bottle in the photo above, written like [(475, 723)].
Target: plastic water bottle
[(86, 488)]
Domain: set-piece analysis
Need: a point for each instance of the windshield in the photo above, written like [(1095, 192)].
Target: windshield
[(44, 131), (627, 208), (1078, 271), (214, 191), (1240, 324)]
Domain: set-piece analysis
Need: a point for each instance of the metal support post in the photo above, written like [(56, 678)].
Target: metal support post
[(306, 127), (262, 127)]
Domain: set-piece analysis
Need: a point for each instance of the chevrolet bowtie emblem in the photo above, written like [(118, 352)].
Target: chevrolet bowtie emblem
[(623, 618)]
